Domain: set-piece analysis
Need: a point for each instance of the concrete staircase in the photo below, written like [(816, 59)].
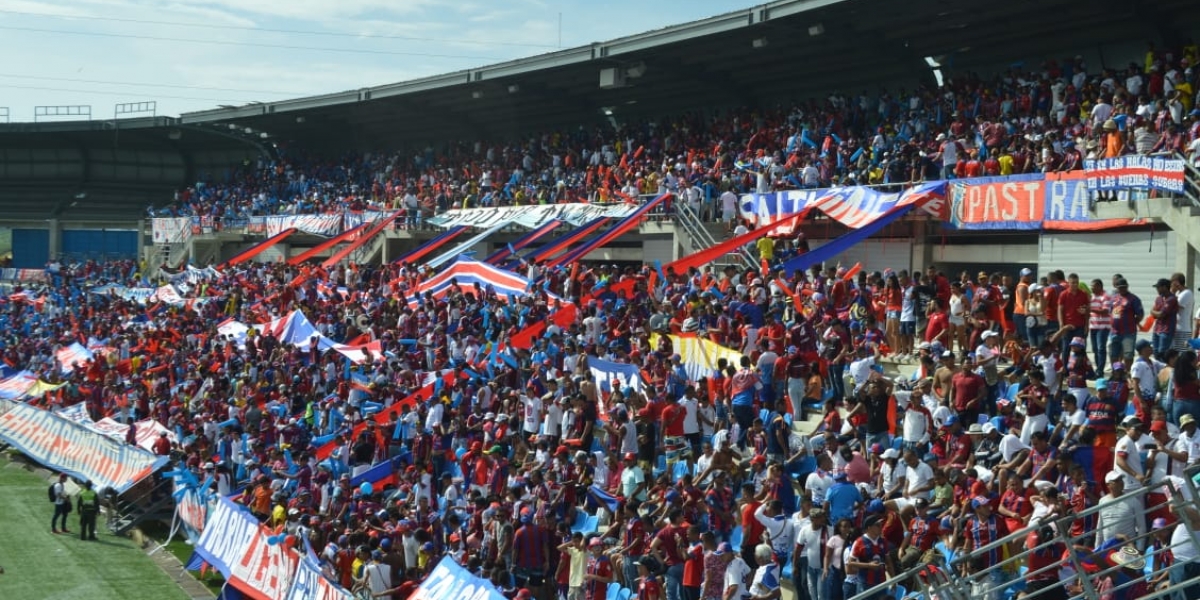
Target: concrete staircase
[(702, 236)]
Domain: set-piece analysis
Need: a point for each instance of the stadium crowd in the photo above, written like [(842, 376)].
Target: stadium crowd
[(1026, 120), (531, 472)]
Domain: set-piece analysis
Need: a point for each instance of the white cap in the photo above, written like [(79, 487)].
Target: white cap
[(988, 334), (891, 453), (987, 428), (1112, 476)]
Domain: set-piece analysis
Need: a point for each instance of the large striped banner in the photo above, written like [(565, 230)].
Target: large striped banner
[(63, 445), (243, 551)]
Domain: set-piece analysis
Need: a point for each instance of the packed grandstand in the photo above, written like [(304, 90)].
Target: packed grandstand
[(570, 429), (1043, 120)]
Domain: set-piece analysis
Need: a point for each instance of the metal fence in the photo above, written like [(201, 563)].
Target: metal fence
[(954, 580)]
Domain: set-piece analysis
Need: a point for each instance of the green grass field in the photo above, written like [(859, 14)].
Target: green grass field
[(39, 564)]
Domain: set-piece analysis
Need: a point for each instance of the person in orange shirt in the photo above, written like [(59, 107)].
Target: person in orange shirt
[(261, 499)]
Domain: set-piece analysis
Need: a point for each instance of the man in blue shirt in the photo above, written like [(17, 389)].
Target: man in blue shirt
[(841, 498)]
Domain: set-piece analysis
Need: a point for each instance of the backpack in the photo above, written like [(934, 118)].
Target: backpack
[(53, 496)]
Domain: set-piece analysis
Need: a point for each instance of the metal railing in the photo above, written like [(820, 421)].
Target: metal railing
[(700, 237), (1191, 181), (994, 580)]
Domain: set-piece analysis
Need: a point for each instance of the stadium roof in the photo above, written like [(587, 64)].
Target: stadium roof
[(109, 170), (779, 51)]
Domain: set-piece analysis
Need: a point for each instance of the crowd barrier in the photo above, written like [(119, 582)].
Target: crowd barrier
[(952, 577)]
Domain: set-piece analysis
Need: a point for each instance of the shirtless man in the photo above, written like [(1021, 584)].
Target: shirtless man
[(942, 376), (723, 459)]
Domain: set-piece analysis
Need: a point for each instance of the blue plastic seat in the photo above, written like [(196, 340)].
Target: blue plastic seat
[(735, 537), (625, 594), (580, 521), (679, 469), (614, 590)]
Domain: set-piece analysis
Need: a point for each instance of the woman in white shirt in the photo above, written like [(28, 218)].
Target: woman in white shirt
[(1035, 316)]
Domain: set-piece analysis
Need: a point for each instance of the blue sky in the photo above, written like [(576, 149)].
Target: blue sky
[(191, 56)]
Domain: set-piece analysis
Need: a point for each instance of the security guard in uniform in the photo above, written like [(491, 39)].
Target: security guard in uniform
[(89, 507)]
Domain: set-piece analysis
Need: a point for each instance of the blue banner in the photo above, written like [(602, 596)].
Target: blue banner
[(608, 373)]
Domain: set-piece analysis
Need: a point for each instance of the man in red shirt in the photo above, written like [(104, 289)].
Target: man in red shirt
[(675, 444), (938, 327), (1074, 306), (967, 391), (671, 543), (752, 530)]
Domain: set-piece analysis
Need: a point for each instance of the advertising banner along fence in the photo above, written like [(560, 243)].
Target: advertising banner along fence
[(531, 217), (63, 445), (1134, 172), (1057, 201)]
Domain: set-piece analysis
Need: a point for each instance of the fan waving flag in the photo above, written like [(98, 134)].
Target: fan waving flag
[(466, 272)]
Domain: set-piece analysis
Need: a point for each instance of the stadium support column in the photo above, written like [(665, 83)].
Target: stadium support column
[(1185, 256), (54, 238), (141, 240), (922, 250)]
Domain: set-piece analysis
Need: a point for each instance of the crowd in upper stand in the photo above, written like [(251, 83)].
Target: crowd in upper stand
[(1025, 120)]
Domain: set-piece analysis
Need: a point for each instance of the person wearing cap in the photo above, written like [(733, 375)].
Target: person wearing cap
[(1165, 457), (871, 557), (633, 480), (737, 571), (981, 529), (633, 541), (1127, 315), (891, 480), (1117, 517), (376, 576), (1102, 412), (1166, 315), (530, 554), (1127, 579), (1189, 438)]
